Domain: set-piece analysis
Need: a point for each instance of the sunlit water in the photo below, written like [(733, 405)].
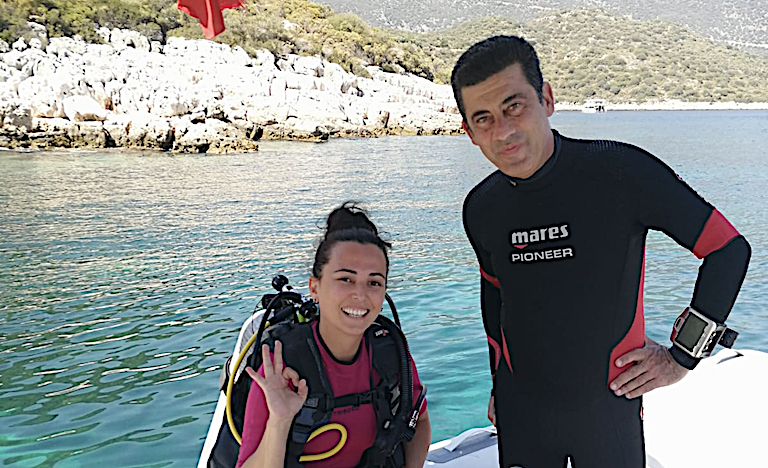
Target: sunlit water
[(124, 276)]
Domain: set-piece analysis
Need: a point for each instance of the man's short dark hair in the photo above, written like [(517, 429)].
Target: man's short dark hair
[(490, 56)]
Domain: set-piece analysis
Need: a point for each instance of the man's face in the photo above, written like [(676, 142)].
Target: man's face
[(509, 123)]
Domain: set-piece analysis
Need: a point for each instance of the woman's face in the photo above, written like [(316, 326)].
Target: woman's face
[(351, 288)]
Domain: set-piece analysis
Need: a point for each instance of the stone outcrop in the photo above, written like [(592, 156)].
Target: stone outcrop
[(83, 108), (199, 96)]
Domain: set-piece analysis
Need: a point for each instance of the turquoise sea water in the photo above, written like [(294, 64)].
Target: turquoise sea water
[(124, 276)]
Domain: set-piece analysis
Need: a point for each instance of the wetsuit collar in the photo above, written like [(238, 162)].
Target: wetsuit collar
[(542, 172)]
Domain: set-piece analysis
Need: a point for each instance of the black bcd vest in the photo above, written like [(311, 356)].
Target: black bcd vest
[(395, 423)]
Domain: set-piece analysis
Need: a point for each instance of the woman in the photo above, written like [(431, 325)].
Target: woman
[(348, 282)]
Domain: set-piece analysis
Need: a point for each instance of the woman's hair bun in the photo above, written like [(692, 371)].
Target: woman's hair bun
[(347, 216), (348, 222)]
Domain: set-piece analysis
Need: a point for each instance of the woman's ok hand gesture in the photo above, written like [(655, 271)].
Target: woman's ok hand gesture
[(282, 401)]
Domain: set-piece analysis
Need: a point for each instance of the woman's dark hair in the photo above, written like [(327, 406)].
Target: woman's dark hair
[(348, 222)]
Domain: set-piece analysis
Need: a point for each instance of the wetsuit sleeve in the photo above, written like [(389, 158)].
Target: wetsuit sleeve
[(668, 204), (255, 421), (490, 296)]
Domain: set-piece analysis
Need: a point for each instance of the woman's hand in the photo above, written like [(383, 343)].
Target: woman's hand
[(282, 401)]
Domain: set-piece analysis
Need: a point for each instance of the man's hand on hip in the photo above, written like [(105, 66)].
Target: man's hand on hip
[(653, 367)]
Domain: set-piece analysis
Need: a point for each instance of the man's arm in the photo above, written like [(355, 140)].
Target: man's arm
[(726, 256), (490, 300), (490, 303), (666, 203)]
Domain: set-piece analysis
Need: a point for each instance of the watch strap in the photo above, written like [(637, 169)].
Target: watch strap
[(683, 358), (728, 338)]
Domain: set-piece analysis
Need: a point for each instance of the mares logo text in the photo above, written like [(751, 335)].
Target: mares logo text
[(520, 240)]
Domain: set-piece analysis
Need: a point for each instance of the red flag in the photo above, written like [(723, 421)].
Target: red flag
[(209, 13)]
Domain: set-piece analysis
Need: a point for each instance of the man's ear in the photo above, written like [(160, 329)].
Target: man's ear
[(549, 99), (468, 131)]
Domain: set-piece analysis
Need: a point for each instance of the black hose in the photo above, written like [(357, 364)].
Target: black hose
[(392, 307), (280, 314), (406, 392)]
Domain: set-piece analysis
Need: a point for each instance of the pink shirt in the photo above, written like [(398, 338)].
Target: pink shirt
[(360, 422)]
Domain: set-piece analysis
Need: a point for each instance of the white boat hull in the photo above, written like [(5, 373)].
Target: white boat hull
[(714, 418)]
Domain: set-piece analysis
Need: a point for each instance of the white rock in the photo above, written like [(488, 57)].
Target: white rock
[(334, 75), (38, 30), (239, 57), (123, 39), (101, 96), (171, 101), (65, 46), (19, 116), (28, 59), (87, 134), (83, 108), (8, 93), (116, 128), (99, 53), (286, 64), (278, 88), (264, 58), (350, 86), (312, 66), (98, 74), (4, 47), (104, 33), (309, 126), (6, 72), (51, 124), (233, 109), (14, 59), (149, 131), (19, 45), (208, 136), (301, 82), (44, 97), (47, 67)]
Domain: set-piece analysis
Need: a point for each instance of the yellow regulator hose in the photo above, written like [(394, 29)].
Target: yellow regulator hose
[(230, 384), (236, 434)]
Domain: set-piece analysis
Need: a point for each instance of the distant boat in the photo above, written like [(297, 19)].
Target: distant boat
[(593, 106)]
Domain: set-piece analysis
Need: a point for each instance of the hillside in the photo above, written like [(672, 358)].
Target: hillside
[(588, 53), (585, 53), (742, 23)]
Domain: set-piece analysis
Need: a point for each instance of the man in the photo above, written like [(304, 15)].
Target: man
[(559, 232)]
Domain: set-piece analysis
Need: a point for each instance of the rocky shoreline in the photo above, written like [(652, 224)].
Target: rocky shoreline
[(194, 96), (199, 96)]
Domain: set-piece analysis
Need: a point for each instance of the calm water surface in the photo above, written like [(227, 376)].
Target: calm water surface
[(124, 276)]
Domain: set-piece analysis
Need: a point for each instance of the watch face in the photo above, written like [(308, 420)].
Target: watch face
[(691, 332)]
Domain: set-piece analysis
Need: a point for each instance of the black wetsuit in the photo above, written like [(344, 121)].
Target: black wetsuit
[(562, 262)]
